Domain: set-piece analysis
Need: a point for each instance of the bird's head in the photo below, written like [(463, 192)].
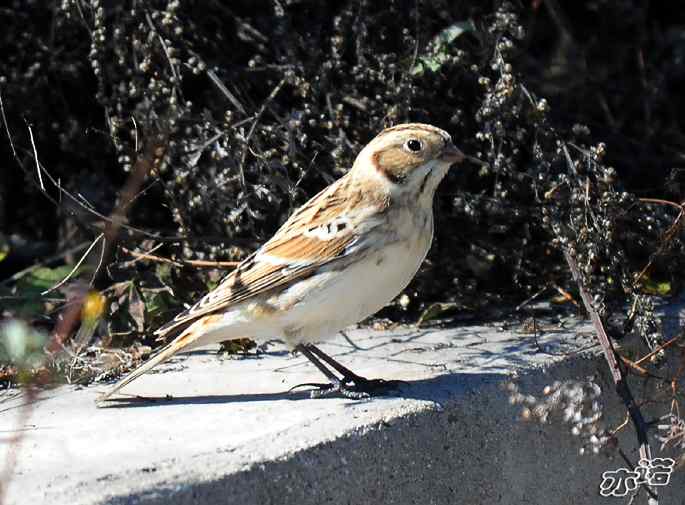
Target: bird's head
[(410, 158)]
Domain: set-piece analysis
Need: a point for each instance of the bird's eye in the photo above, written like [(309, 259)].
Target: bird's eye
[(414, 145)]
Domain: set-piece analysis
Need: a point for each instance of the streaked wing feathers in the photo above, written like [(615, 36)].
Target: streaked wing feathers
[(319, 232)]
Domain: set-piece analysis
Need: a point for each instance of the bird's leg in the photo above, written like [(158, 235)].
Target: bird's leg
[(344, 371), (350, 385), (322, 368), (333, 386)]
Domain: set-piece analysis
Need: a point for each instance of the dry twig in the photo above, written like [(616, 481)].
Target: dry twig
[(622, 387), (182, 262)]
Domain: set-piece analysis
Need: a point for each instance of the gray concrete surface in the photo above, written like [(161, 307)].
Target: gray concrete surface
[(231, 433)]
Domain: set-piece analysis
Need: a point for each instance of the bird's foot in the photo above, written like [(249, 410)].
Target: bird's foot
[(355, 387)]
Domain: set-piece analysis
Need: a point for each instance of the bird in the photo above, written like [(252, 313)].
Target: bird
[(339, 258)]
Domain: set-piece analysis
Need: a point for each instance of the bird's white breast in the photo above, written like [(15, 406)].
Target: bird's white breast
[(331, 300)]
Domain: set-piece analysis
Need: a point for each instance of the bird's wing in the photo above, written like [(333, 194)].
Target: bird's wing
[(327, 228)]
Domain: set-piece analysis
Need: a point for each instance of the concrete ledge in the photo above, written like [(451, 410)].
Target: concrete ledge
[(232, 433)]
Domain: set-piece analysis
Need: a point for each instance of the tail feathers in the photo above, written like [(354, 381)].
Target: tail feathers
[(182, 342)]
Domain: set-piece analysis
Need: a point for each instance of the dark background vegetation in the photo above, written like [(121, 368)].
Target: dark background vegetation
[(237, 112)]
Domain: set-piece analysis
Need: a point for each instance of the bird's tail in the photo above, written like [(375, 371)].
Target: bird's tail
[(183, 342)]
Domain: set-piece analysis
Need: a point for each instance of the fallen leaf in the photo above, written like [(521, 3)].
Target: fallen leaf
[(434, 311)]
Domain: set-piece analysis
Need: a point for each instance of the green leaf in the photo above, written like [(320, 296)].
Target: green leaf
[(439, 53), (163, 271), (449, 34), (43, 278), (651, 287), (25, 300), (159, 304)]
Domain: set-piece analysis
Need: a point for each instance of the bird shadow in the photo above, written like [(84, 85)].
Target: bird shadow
[(435, 389)]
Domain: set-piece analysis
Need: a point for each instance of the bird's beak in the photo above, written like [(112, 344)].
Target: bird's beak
[(450, 154)]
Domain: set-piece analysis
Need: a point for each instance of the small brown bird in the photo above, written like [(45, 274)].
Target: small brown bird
[(340, 258)]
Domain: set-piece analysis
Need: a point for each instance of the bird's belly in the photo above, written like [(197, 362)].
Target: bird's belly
[(332, 300)]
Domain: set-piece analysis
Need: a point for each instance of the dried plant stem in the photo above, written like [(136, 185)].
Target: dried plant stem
[(76, 267), (180, 263), (222, 87), (622, 387), (634, 366), (266, 103), (35, 155), (640, 370), (7, 128), (658, 349)]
